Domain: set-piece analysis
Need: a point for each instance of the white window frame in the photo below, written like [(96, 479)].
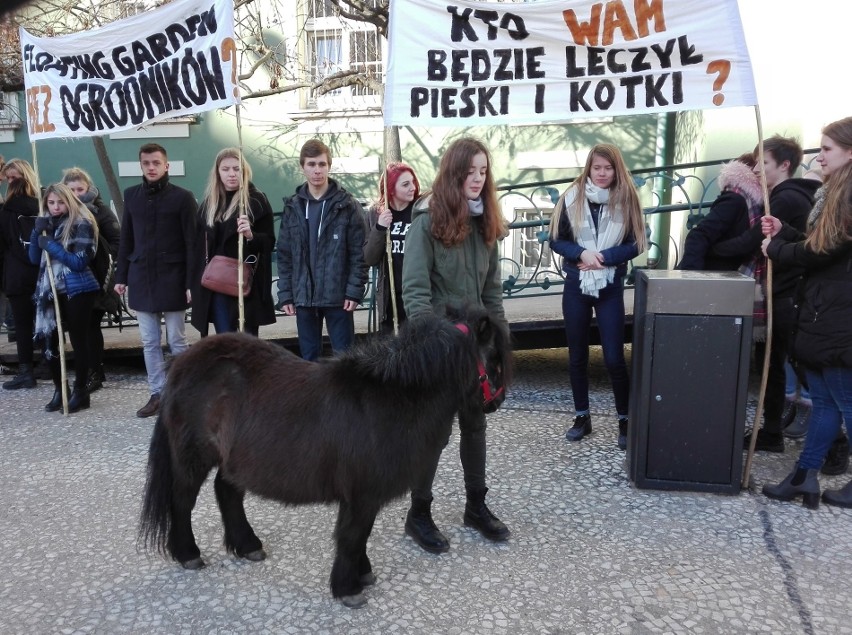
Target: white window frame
[(335, 28), (528, 259), (10, 111)]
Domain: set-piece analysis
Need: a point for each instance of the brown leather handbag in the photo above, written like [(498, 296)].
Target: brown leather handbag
[(220, 275)]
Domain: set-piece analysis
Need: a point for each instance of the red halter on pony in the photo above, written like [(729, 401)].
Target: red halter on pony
[(487, 395)]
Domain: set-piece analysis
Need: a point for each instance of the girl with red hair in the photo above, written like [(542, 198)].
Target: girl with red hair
[(391, 213)]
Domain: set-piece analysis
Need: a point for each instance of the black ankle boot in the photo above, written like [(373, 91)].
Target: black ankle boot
[(419, 525), (837, 459), (478, 516), (79, 399), (56, 403), (582, 427), (95, 380), (799, 481), (798, 427), (766, 441), (24, 378), (840, 497)]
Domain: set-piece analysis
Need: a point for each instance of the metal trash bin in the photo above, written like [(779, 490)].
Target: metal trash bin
[(692, 335)]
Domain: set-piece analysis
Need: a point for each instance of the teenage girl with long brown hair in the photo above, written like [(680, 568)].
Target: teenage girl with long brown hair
[(452, 259), (597, 227)]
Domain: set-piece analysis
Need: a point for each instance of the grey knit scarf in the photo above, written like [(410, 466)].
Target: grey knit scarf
[(819, 202)]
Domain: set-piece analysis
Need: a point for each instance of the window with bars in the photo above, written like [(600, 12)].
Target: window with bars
[(325, 56), (128, 8), (530, 252), (10, 113), (335, 44)]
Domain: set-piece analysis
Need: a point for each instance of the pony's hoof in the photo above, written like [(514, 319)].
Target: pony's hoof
[(353, 601), (255, 556), (194, 564), (367, 579)]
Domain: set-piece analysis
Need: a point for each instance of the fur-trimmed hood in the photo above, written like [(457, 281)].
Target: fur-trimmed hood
[(738, 176)]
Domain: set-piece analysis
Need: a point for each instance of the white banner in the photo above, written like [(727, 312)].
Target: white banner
[(176, 60), (467, 63)]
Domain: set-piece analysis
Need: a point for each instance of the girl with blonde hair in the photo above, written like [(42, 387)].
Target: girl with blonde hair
[(67, 231), (221, 221), (109, 236), (597, 227)]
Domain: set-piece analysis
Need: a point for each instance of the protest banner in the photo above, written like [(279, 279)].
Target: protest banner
[(177, 60), (467, 63)]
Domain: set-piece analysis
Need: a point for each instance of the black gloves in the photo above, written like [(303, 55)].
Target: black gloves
[(43, 241), (44, 224)]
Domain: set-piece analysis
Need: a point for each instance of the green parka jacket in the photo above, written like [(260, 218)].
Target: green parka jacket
[(435, 276)]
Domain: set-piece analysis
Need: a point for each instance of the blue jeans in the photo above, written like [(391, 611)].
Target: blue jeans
[(151, 334), (792, 383), (339, 322), (221, 312), (831, 393), (609, 309)]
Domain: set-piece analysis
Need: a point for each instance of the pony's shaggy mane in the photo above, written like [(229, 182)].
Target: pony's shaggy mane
[(425, 351)]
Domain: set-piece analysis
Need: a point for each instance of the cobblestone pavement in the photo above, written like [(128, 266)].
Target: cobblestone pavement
[(589, 552)]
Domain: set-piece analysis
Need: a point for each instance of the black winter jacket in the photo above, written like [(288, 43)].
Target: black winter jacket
[(791, 202), (375, 254), (824, 335), (157, 242), (258, 304), (340, 273), (17, 220), (109, 235), (727, 218)]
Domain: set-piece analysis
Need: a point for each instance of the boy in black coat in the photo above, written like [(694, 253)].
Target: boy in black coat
[(154, 263)]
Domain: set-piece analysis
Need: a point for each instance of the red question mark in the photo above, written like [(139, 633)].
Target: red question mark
[(723, 67)]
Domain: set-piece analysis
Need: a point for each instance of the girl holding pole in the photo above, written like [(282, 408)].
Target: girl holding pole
[(392, 213), (67, 231), (221, 220), (109, 235), (823, 341)]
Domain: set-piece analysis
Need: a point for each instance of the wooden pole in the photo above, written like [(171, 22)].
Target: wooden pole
[(389, 254), (241, 213), (48, 265), (241, 210), (768, 348)]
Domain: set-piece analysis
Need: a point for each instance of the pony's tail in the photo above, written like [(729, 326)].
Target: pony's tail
[(155, 521)]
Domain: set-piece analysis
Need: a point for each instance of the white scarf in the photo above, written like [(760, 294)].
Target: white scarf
[(610, 232)]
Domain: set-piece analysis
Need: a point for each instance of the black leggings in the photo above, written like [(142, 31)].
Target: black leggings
[(471, 451), (23, 310), (76, 313), (784, 316), (96, 339)]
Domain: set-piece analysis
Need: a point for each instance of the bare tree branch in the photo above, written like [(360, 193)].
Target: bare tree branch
[(361, 11), (260, 62), (276, 91)]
